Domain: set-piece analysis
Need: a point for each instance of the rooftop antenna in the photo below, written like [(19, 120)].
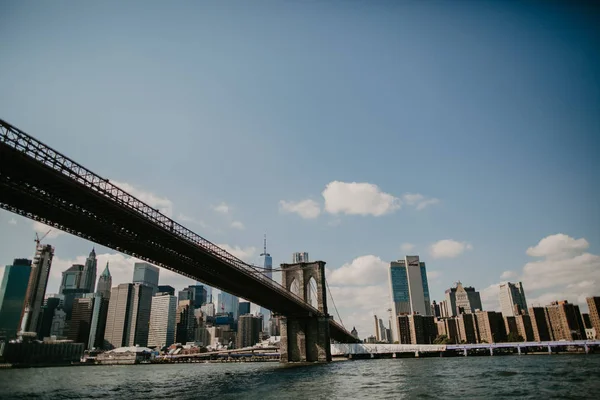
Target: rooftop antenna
[(264, 253)]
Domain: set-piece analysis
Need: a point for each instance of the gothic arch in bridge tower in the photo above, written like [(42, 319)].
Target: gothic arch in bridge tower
[(306, 337)]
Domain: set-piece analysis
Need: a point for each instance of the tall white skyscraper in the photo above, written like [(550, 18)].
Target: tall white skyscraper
[(511, 295), (162, 321), (300, 258), (409, 290)]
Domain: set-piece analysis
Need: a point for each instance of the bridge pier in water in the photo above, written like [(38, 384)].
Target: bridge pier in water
[(306, 338)]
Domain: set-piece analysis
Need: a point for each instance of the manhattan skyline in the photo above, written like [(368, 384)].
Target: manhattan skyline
[(413, 137)]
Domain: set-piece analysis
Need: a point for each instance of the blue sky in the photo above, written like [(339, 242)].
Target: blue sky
[(488, 110)]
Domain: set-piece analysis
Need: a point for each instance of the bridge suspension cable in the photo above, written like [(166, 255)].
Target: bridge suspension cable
[(333, 302)]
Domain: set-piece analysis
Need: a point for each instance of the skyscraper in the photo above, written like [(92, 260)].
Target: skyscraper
[(300, 258), (243, 308), (565, 321), (89, 273), (36, 288), (12, 296), (166, 289), (249, 327), (594, 308), (72, 278), (462, 300), (512, 299), (228, 304), (128, 319), (268, 271), (146, 274), (268, 260), (185, 322), (408, 289), (81, 320), (98, 321), (162, 321), (104, 283)]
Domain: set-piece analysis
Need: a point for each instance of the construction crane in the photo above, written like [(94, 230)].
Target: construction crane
[(38, 239)]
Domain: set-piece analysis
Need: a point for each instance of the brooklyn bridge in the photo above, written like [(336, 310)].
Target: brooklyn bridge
[(42, 184)]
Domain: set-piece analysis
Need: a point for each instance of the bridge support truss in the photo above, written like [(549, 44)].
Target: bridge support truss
[(306, 338)]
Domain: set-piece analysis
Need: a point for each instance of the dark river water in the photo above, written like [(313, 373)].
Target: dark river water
[(524, 377)]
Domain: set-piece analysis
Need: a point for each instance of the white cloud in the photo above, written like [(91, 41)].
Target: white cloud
[(47, 231), (12, 221), (237, 225), (407, 247), (243, 253), (185, 218), (364, 270), (222, 208), (358, 199), (308, 209), (564, 272), (162, 204), (358, 304), (120, 267), (449, 248), (433, 275), (552, 272), (489, 297), (418, 200), (508, 275), (558, 246)]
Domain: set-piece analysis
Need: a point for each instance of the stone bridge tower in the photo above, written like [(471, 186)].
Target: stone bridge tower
[(306, 337)]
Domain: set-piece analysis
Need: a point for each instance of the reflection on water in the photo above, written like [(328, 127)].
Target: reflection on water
[(543, 376)]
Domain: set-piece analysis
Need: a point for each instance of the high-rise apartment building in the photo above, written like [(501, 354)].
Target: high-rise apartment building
[(594, 311), (525, 327), (127, 323), (540, 324), (423, 329), (147, 275), (461, 299), (88, 279), (512, 299), (565, 321), (300, 258), (468, 328), (249, 328), (162, 321), (12, 296), (104, 283), (36, 288), (408, 289), (491, 327)]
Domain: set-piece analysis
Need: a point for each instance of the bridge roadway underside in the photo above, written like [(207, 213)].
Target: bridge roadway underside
[(34, 190)]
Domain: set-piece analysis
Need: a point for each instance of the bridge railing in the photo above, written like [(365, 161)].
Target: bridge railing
[(21, 141)]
